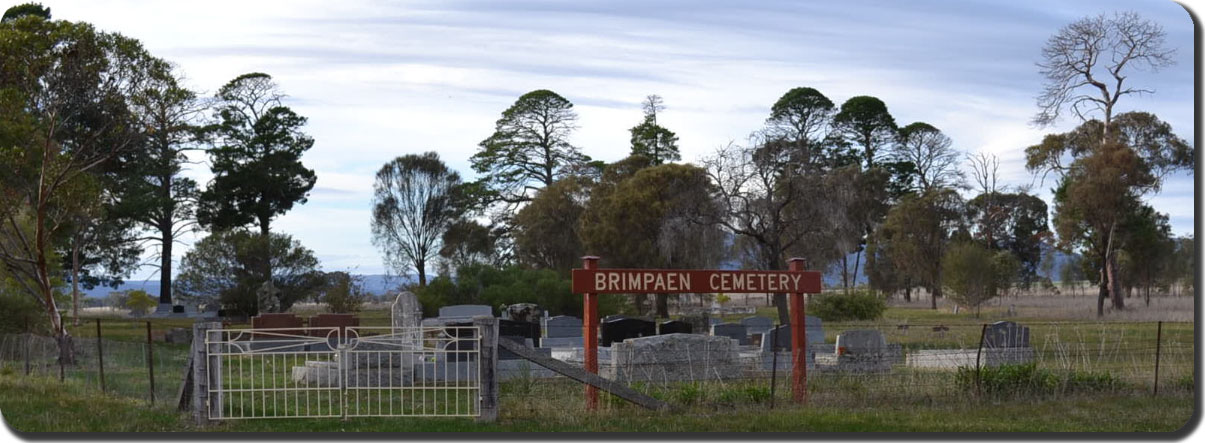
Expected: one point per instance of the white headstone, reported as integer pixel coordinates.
(407, 312)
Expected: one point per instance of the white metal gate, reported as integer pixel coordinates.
(344, 372)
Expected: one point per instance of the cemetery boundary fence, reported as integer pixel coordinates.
(920, 362)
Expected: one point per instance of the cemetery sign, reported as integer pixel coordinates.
(666, 281)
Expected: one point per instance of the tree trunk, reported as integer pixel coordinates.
(266, 233)
(934, 292)
(908, 294)
(845, 273)
(165, 264)
(662, 305)
(1103, 294)
(784, 315)
(66, 350)
(75, 282)
(1115, 283)
(421, 267)
(638, 300)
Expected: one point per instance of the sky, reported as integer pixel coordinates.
(382, 79)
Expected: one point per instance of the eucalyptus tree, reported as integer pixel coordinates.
(65, 93)
(413, 204)
(1100, 184)
(1086, 65)
(660, 217)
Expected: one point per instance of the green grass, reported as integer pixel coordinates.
(42, 404)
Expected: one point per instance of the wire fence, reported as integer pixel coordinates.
(148, 370)
(915, 362)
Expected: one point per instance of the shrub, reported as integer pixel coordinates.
(140, 303)
(343, 293)
(858, 305)
(1029, 379)
(492, 286)
(1184, 383)
(687, 394)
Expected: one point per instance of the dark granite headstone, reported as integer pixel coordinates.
(675, 327)
(618, 330)
(178, 309)
(699, 323)
(562, 326)
(735, 331)
(511, 328)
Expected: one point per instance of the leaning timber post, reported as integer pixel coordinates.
(100, 358)
(799, 358)
(203, 374)
(590, 334)
(487, 358)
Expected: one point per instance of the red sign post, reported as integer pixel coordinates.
(591, 281)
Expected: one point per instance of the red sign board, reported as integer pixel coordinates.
(668, 281)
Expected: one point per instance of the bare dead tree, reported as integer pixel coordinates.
(1086, 65)
(933, 154)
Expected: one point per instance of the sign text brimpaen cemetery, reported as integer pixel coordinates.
(619, 281)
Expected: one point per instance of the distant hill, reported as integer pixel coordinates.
(375, 284)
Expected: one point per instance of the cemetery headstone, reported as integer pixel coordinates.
(562, 331)
(735, 331)
(668, 357)
(406, 311)
(465, 311)
(675, 327)
(1006, 334)
(340, 321)
(524, 312)
(621, 329)
(757, 325)
(862, 350)
(521, 329)
(562, 326)
(699, 323)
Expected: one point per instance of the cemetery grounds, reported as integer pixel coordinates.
(1090, 376)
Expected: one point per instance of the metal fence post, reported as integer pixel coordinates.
(150, 362)
(487, 356)
(100, 358)
(978, 368)
(1158, 346)
(201, 375)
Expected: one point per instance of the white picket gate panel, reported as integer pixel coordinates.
(344, 372)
